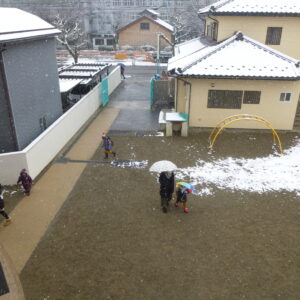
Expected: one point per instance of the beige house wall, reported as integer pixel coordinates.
(280, 114)
(256, 27)
(134, 36)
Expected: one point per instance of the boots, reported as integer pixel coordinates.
(105, 155)
(7, 221)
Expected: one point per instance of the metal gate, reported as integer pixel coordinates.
(161, 93)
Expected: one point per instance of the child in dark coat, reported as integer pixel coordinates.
(2, 211)
(181, 194)
(26, 181)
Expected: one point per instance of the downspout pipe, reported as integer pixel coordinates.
(189, 98)
(7, 99)
(203, 19)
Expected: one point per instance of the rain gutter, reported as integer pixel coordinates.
(189, 97)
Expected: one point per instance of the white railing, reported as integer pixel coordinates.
(37, 155)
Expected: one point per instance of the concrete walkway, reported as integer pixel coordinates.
(32, 216)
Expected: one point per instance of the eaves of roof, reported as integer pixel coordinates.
(185, 70)
(267, 14)
(28, 35)
(179, 75)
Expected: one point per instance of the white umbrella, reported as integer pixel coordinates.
(163, 166)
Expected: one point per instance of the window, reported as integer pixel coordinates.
(110, 42)
(141, 3)
(273, 35)
(99, 42)
(285, 97)
(212, 30)
(251, 97)
(144, 26)
(128, 2)
(224, 99)
(116, 2)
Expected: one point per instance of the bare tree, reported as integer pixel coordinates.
(187, 24)
(72, 35)
(182, 30)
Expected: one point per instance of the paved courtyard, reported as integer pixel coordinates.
(110, 240)
(104, 236)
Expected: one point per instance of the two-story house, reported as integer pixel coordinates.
(274, 23)
(252, 67)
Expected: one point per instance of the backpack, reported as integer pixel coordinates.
(110, 142)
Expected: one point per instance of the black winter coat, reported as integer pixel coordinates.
(166, 185)
(1, 203)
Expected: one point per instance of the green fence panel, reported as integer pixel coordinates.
(152, 91)
(104, 91)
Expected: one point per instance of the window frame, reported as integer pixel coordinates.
(249, 101)
(99, 44)
(211, 104)
(285, 94)
(212, 30)
(144, 23)
(271, 36)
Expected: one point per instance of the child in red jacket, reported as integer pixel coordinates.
(182, 197)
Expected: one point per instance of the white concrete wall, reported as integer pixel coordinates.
(114, 80)
(36, 156)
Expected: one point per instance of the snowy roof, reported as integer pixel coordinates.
(164, 24)
(86, 72)
(238, 57)
(253, 7)
(66, 85)
(152, 11)
(158, 21)
(17, 24)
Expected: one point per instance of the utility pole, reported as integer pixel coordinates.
(161, 36)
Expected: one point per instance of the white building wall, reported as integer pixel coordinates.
(36, 156)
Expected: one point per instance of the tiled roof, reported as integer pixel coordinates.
(253, 7)
(238, 57)
(17, 24)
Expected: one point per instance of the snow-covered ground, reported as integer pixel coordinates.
(260, 175)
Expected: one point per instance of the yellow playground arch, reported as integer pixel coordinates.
(235, 118)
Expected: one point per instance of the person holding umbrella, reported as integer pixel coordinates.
(165, 169)
(166, 180)
(122, 69)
